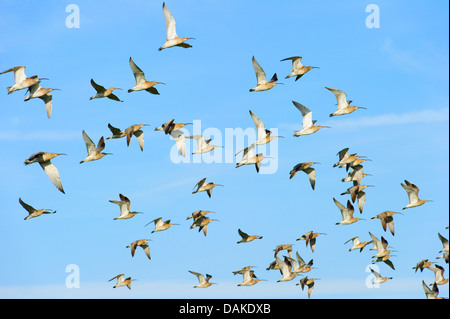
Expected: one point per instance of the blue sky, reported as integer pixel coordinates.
(398, 71)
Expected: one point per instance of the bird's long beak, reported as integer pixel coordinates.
(160, 83)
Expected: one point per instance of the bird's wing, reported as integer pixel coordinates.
(260, 129)
(247, 276)
(341, 207)
(242, 234)
(377, 242)
(200, 277)
(114, 130)
(200, 140)
(361, 201)
(114, 97)
(300, 260)
(412, 195)
(126, 202)
(146, 248)
(376, 274)
(444, 241)
(138, 73)
(341, 98)
(140, 137)
(32, 89)
(311, 172)
(19, 73)
(119, 278)
(98, 88)
(343, 153)
(428, 292)
(100, 145)
(260, 74)
(133, 248)
(200, 183)
(350, 210)
(167, 126)
(52, 173)
(296, 62)
(29, 209)
(48, 100)
(390, 224)
(170, 24)
(306, 114)
(249, 152)
(283, 266)
(180, 141)
(90, 146)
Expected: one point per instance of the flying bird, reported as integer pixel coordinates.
(170, 126)
(32, 212)
(160, 225)
(262, 84)
(413, 195)
(299, 265)
(21, 81)
(378, 278)
(250, 158)
(310, 238)
(347, 213)
(36, 91)
(431, 293)
(309, 282)
(43, 158)
(343, 105)
(172, 39)
(387, 219)
(245, 238)
(121, 281)
(422, 265)
(298, 69)
(309, 126)
(141, 82)
(129, 132)
(143, 243)
(438, 275)
(103, 92)
(356, 244)
(203, 145)
(135, 130)
(202, 281)
(286, 272)
(264, 135)
(94, 153)
(356, 193)
(124, 204)
(381, 246)
(249, 278)
(305, 167)
(202, 222)
(202, 186)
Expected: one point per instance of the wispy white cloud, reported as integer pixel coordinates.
(41, 135)
(430, 61)
(342, 288)
(424, 116)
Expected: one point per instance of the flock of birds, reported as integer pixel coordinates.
(288, 266)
